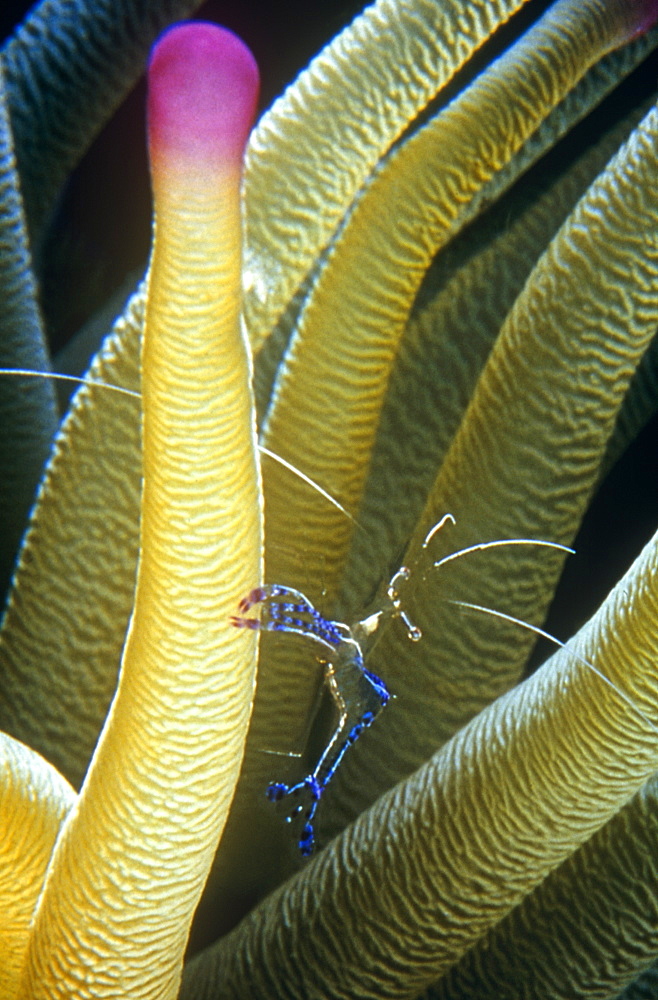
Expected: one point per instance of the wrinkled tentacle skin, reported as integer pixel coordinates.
(89, 495)
(621, 916)
(34, 801)
(469, 834)
(159, 787)
(346, 111)
(448, 339)
(544, 341)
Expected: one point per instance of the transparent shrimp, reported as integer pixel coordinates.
(358, 694)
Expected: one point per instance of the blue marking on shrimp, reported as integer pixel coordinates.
(358, 694)
(295, 614)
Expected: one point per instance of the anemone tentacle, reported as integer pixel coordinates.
(570, 757)
(174, 736)
(34, 802)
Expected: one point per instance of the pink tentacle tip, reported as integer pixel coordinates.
(203, 89)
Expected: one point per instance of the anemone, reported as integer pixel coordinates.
(451, 305)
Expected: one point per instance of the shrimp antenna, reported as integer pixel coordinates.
(496, 543)
(480, 546)
(79, 380)
(563, 645)
(307, 479)
(395, 609)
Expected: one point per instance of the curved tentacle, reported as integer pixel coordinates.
(34, 802)
(83, 537)
(559, 752)
(347, 111)
(446, 344)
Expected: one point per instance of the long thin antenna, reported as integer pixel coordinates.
(498, 542)
(69, 378)
(447, 518)
(563, 645)
(307, 479)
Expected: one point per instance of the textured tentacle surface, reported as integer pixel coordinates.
(445, 347)
(83, 537)
(515, 792)
(574, 955)
(345, 111)
(559, 448)
(34, 802)
(156, 797)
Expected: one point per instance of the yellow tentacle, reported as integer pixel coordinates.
(34, 802)
(161, 782)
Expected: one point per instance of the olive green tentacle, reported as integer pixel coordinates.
(558, 942)
(69, 66)
(523, 464)
(445, 346)
(28, 414)
(83, 537)
(345, 109)
(418, 878)
(587, 93)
